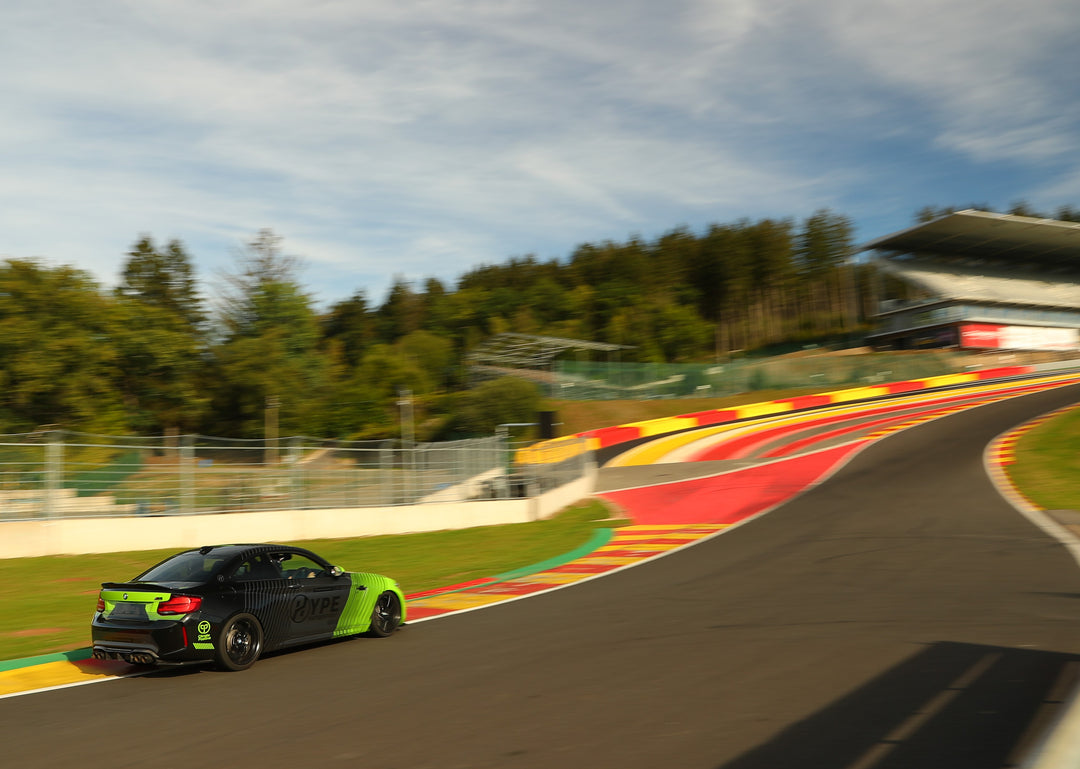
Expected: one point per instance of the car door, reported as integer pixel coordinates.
(317, 599)
(261, 589)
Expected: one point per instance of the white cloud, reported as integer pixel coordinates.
(427, 136)
(982, 67)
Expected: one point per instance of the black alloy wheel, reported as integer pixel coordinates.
(387, 615)
(239, 642)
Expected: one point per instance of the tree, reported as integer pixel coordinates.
(771, 251)
(432, 353)
(824, 243)
(58, 362)
(929, 213)
(269, 344)
(163, 279)
(158, 331)
(824, 250)
(1023, 208)
(1067, 214)
(389, 371)
(500, 401)
(547, 300)
(265, 294)
(673, 257)
(159, 367)
(434, 306)
(351, 324)
(680, 332)
(401, 313)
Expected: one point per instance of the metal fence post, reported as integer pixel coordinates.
(296, 474)
(386, 470)
(54, 471)
(187, 474)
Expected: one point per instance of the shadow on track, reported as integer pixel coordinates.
(952, 705)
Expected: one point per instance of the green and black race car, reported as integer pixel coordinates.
(231, 603)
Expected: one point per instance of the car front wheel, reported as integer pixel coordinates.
(239, 643)
(387, 615)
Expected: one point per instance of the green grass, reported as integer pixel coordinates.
(1047, 466)
(47, 602)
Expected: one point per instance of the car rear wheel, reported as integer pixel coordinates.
(239, 643)
(387, 615)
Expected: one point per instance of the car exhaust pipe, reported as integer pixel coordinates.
(135, 658)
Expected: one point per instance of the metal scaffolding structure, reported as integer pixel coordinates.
(529, 356)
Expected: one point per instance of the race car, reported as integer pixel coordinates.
(230, 604)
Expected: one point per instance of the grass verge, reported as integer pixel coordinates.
(47, 602)
(1048, 463)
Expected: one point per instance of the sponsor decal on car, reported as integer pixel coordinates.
(304, 608)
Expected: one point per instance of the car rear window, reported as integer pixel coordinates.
(185, 567)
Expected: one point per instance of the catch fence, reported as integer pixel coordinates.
(598, 380)
(63, 474)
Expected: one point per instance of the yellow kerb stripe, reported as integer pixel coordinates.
(610, 560)
(856, 393)
(57, 674)
(762, 409)
(553, 579)
(948, 379)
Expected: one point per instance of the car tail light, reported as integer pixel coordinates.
(100, 603)
(180, 604)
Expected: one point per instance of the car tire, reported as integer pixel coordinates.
(239, 643)
(386, 616)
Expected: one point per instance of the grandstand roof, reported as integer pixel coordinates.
(985, 285)
(988, 235)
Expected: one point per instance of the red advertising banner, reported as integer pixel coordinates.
(980, 335)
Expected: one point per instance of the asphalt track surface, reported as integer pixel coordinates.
(901, 614)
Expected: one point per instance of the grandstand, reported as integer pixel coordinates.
(980, 281)
(529, 357)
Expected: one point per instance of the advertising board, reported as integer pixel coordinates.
(988, 336)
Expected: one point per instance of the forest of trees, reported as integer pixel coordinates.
(154, 355)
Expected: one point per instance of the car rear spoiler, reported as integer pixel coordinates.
(145, 587)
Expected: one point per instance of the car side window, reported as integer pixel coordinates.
(301, 567)
(256, 568)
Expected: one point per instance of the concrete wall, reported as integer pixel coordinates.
(23, 539)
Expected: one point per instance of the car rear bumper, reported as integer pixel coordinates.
(160, 642)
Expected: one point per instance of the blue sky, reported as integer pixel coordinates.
(423, 138)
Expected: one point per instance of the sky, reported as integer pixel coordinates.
(385, 139)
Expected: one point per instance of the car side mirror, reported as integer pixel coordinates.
(336, 571)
